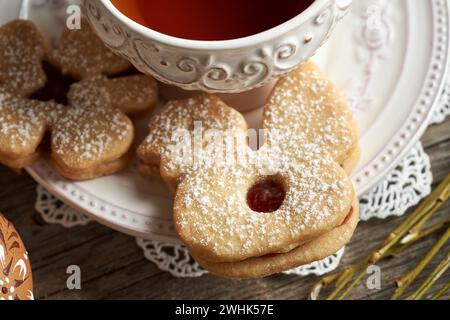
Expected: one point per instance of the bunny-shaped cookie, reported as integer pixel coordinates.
(310, 137)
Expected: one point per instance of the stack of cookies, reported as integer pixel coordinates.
(71, 103)
(248, 212)
(243, 209)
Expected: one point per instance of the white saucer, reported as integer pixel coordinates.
(390, 57)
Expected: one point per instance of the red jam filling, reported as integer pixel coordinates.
(347, 218)
(266, 196)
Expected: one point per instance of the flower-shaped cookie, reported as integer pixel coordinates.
(261, 212)
(16, 280)
(81, 108)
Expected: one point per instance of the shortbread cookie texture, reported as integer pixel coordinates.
(90, 138)
(213, 214)
(307, 104)
(90, 135)
(16, 280)
(315, 250)
(208, 112)
(23, 48)
(82, 55)
(23, 124)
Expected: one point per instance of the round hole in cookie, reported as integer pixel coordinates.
(266, 195)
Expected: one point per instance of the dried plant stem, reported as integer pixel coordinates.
(432, 278)
(404, 282)
(315, 291)
(416, 230)
(397, 249)
(441, 291)
(353, 284)
(346, 276)
(417, 237)
(422, 213)
(407, 233)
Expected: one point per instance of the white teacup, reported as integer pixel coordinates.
(228, 66)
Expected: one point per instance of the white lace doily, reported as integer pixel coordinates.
(403, 188)
(54, 211)
(176, 260)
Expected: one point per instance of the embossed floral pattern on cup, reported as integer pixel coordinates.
(217, 66)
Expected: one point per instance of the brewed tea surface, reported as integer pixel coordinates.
(211, 20)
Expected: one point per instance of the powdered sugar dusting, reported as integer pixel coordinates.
(22, 50)
(211, 209)
(92, 129)
(82, 54)
(306, 119)
(80, 141)
(23, 124)
(209, 111)
(321, 113)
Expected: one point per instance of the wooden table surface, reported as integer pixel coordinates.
(113, 266)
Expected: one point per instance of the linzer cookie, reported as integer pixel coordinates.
(16, 280)
(79, 96)
(314, 250)
(246, 213)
